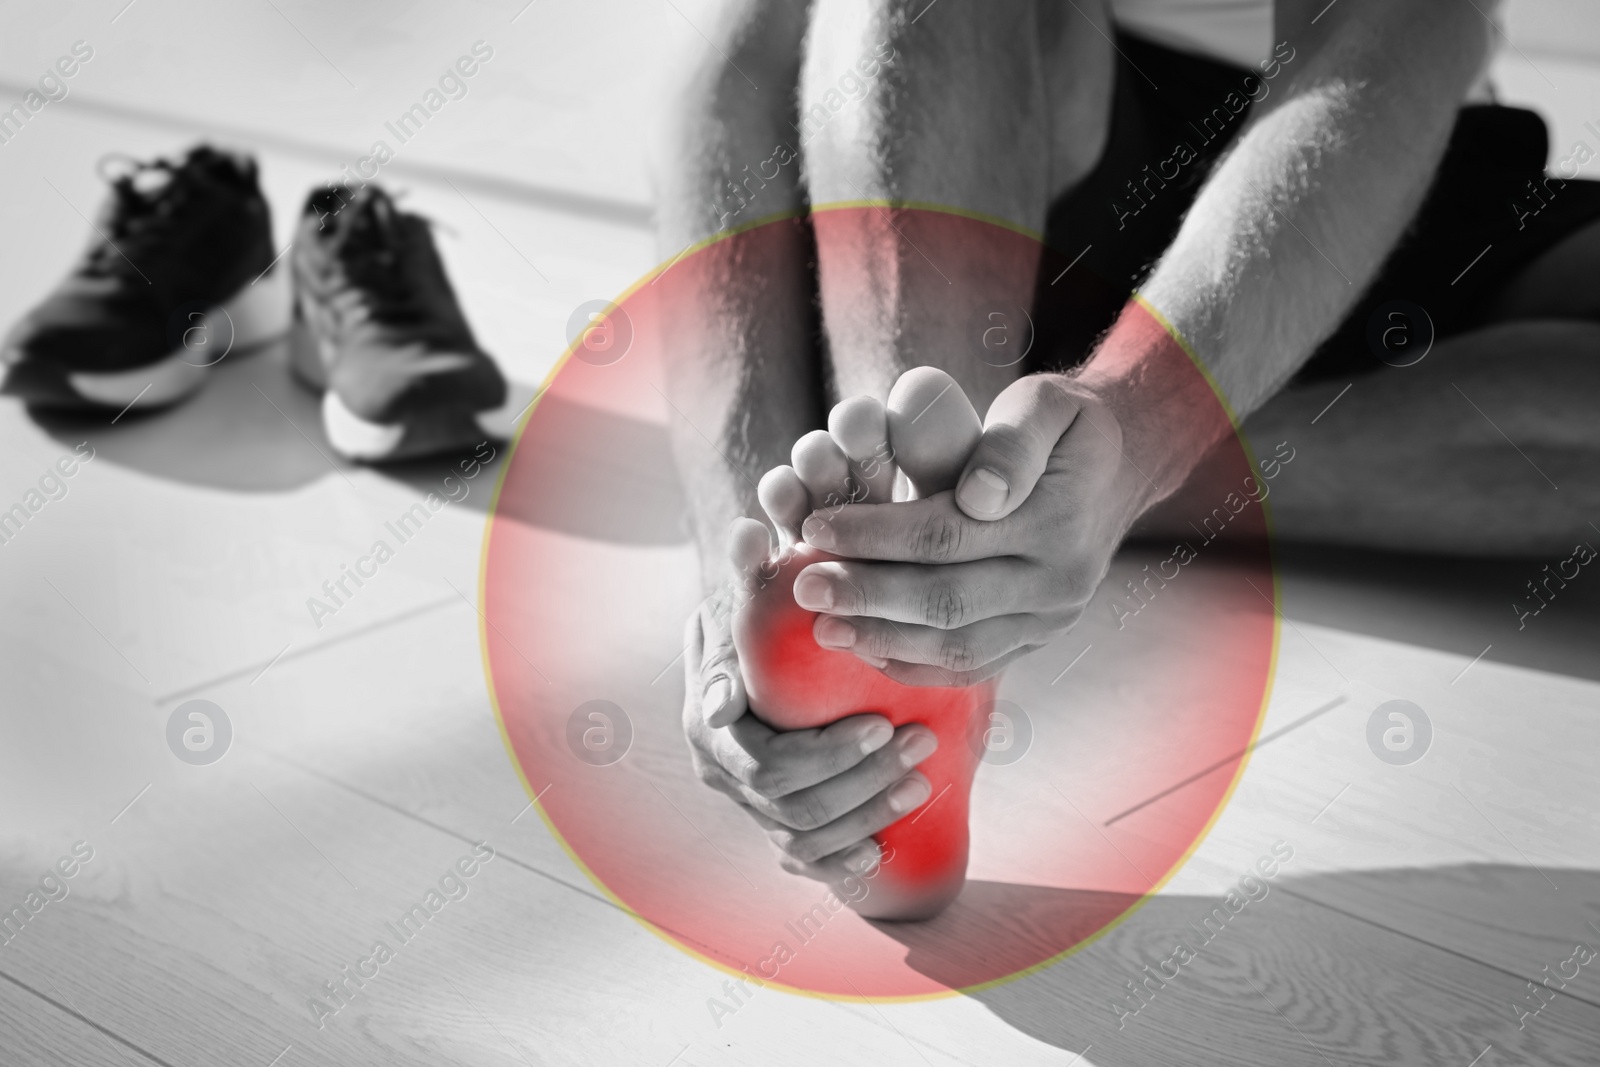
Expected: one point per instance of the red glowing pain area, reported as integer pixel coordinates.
(1115, 746)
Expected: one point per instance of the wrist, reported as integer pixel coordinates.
(1165, 404)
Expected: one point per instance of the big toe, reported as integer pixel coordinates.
(933, 428)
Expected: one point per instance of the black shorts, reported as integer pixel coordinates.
(1476, 229)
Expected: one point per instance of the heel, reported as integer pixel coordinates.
(259, 311)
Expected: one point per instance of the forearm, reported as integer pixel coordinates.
(742, 375)
(1297, 219)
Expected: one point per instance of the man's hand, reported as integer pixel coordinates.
(1020, 546)
(819, 794)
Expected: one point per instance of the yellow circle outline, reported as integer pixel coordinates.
(674, 940)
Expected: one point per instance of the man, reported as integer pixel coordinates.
(1352, 173)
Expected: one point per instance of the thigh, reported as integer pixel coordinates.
(1562, 283)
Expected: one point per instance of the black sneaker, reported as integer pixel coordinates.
(401, 374)
(163, 291)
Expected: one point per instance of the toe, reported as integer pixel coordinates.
(749, 544)
(932, 428)
(860, 428)
(823, 468)
(786, 501)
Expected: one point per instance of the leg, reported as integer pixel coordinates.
(988, 109)
(1557, 285)
(744, 375)
(1405, 462)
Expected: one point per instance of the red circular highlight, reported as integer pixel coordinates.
(588, 576)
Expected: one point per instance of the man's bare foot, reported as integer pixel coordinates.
(799, 675)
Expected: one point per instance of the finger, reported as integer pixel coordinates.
(1019, 435)
(861, 430)
(773, 764)
(844, 869)
(722, 696)
(837, 796)
(924, 676)
(961, 651)
(783, 495)
(912, 531)
(884, 809)
(945, 597)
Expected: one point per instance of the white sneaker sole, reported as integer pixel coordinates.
(258, 313)
(374, 442)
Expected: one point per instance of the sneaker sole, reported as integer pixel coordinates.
(259, 313)
(439, 432)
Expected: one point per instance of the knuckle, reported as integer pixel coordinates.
(939, 538)
(802, 811)
(767, 779)
(957, 652)
(945, 605)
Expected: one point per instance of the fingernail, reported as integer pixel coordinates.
(833, 632)
(814, 592)
(983, 492)
(718, 693)
(818, 532)
(908, 794)
(863, 858)
(918, 747)
(875, 737)
(871, 660)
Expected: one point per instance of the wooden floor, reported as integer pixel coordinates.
(366, 759)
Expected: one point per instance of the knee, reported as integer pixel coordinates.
(888, 76)
(739, 64)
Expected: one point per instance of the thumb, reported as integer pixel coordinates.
(722, 696)
(1019, 434)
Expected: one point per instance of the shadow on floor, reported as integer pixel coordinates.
(254, 429)
(1295, 977)
(1462, 606)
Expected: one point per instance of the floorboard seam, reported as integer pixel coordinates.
(631, 214)
(282, 657)
(82, 1018)
(514, 861)
(1430, 944)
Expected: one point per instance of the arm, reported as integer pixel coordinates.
(1298, 217)
(1289, 228)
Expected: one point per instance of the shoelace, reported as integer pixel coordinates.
(141, 217)
(373, 247)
